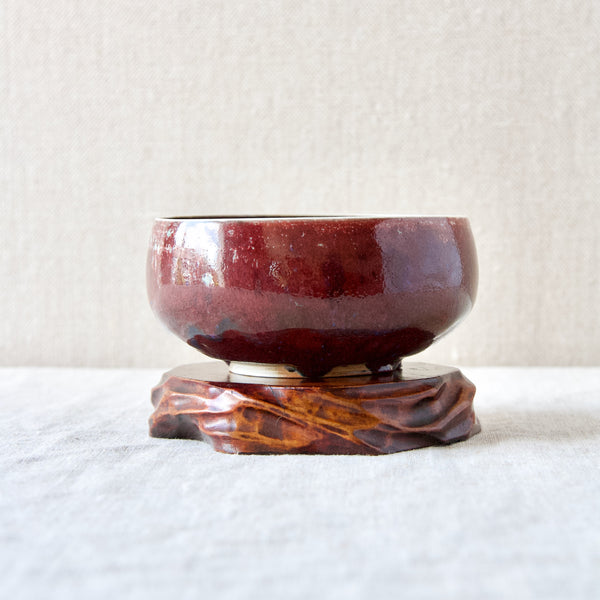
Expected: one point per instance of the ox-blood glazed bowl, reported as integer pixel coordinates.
(311, 296)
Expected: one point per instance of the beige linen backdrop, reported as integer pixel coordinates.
(114, 112)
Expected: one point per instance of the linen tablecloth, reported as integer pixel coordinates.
(92, 507)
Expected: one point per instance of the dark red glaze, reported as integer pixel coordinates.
(315, 293)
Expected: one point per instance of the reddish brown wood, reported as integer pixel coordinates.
(421, 405)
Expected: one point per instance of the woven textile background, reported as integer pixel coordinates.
(112, 113)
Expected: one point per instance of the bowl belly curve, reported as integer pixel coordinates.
(313, 293)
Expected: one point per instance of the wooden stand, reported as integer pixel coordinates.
(417, 406)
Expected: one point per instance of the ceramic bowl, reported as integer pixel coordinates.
(311, 296)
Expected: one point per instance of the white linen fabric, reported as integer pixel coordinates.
(92, 507)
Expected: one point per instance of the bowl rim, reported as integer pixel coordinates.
(350, 217)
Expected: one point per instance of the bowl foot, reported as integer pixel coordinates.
(420, 405)
(290, 372)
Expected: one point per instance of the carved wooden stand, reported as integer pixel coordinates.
(417, 406)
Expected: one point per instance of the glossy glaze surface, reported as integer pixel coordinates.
(315, 293)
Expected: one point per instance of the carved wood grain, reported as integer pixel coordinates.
(376, 415)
